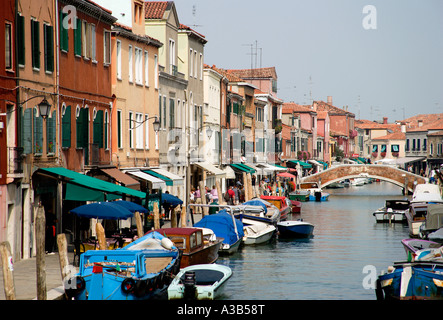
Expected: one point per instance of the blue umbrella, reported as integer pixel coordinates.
(131, 206)
(171, 200)
(102, 210)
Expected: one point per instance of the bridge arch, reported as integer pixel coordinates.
(399, 177)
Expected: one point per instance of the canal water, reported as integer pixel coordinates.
(341, 262)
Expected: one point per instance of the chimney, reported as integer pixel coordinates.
(403, 127)
(385, 120)
(330, 100)
(420, 123)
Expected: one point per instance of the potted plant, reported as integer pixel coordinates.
(383, 154)
(374, 154)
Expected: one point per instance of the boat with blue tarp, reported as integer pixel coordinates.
(141, 270)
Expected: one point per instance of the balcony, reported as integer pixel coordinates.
(15, 162)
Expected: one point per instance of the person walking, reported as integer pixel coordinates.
(198, 200)
(214, 194)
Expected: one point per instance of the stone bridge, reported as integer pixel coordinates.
(401, 178)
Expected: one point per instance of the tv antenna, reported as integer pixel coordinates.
(194, 10)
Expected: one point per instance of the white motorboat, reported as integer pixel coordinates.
(257, 232)
(199, 282)
(393, 211)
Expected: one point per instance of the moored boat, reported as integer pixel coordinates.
(296, 206)
(258, 209)
(314, 191)
(295, 229)
(411, 281)
(139, 271)
(195, 249)
(256, 232)
(433, 222)
(299, 195)
(392, 211)
(282, 204)
(199, 282)
(224, 226)
(412, 246)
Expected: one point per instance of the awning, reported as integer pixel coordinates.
(156, 182)
(242, 167)
(325, 165)
(405, 160)
(230, 174)
(304, 165)
(124, 179)
(171, 179)
(272, 167)
(80, 186)
(213, 170)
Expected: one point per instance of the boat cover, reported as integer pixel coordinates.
(222, 225)
(256, 202)
(434, 218)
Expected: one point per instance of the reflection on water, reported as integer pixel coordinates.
(330, 265)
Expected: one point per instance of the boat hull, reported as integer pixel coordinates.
(323, 196)
(412, 281)
(210, 281)
(383, 216)
(295, 229)
(254, 237)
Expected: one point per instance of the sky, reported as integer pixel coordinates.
(385, 60)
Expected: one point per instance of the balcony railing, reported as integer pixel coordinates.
(15, 163)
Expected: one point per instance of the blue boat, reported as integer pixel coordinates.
(419, 280)
(141, 270)
(295, 229)
(224, 226)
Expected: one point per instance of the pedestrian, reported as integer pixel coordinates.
(214, 193)
(198, 200)
(213, 210)
(236, 194)
(231, 194)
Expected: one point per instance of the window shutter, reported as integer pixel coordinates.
(81, 128)
(78, 38)
(66, 128)
(35, 41)
(38, 132)
(27, 131)
(21, 39)
(98, 129)
(49, 48)
(64, 45)
(50, 133)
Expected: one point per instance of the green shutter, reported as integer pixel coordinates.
(106, 131)
(50, 133)
(119, 129)
(82, 129)
(21, 39)
(98, 129)
(38, 133)
(49, 48)
(27, 131)
(78, 38)
(66, 128)
(35, 42)
(171, 114)
(64, 43)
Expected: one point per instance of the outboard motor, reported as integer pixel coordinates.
(317, 196)
(190, 292)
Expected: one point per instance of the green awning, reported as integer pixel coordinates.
(242, 167)
(168, 181)
(304, 165)
(325, 165)
(81, 187)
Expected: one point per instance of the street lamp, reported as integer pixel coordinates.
(156, 124)
(44, 108)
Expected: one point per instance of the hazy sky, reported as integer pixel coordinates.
(320, 48)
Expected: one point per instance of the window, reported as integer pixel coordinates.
(201, 66)
(139, 131)
(66, 127)
(259, 114)
(191, 62)
(50, 133)
(86, 40)
(78, 38)
(407, 145)
(425, 142)
(131, 132)
(195, 64)
(119, 129)
(35, 43)
(418, 144)
(156, 71)
(172, 66)
(119, 60)
(37, 132)
(20, 28)
(107, 47)
(106, 130)
(383, 148)
(413, 144)
(164, 112)
(146, 131)
(82, 127)
(8, 46)
(64, 39)
(49, 47)
(375, 148)
(130, 63)
(146, 69)
(138, 66)
(93, 47)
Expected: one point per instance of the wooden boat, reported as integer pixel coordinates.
(224, 226)
(392, 211)
(295, 229)
(256, 232)
(299, 195)
(282, 203)
(315, 192)
(411, 281)
(139, 271)
(412, 246)
(195, 249)
(199, 282)
(296, 206)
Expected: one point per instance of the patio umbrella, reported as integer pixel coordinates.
(171, 200)
(131, 206)
(102, 210)
(286, 175)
